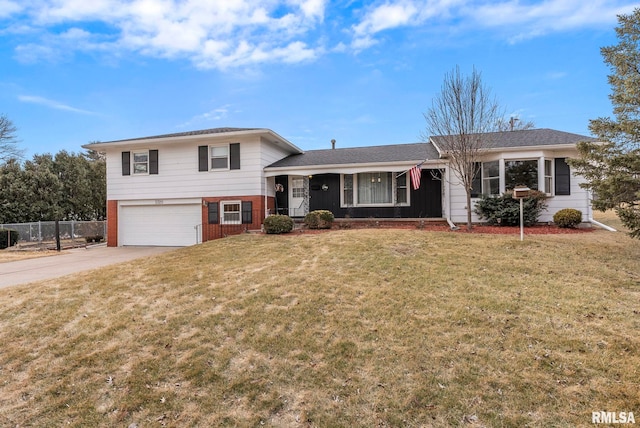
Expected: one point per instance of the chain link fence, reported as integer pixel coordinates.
(72, 233)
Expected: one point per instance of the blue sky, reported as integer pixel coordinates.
(360, 72)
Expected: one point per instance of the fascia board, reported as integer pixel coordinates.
(352, 168)
(139, 142)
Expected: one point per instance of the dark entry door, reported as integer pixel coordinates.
(427, 200)
(324, 192)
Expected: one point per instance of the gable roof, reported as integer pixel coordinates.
(525, 138)
(188, 133)
(214, 132)
(416, 152)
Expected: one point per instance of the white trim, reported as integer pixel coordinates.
(232, 202)
(210, 157)
(132, 161)
(275, 139)
(172, 201)
(394, 188)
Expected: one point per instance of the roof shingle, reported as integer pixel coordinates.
(415, 152)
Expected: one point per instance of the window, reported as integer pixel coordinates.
(491, 178)
(547, 176)
(401, 189)
(297, 187)
(230, 212)
(220, 157)
(223, 157)
(375, 188)
(141, 162)
(563, 177)
(521, 173)
(347, 190)
(476, 183)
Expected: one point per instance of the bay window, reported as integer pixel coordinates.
(550, 176)
(521, 173)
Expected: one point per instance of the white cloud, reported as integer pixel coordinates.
(522, 21)
(52, 104)
(224, 34)
(8, 8)
(211, 33)
(214, 115)
(514, 19)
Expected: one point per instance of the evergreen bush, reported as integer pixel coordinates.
(504, 210)
(7, 235)
(319, 219)
(567, 218)
(278, 223)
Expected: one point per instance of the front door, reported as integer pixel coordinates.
(298, 199)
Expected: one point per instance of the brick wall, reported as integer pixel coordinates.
(112, 223)
(216, 231)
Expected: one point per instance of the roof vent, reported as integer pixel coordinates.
(333, 144)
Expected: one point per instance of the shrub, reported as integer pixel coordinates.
(278, 223)
(567, 217)
(504, 210)
(8, 238)
(319, 219)
(93, 238)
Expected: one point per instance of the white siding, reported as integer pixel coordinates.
(178, 175)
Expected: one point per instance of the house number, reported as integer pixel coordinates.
(159, 201)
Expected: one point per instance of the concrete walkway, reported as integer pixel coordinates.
(70, 262)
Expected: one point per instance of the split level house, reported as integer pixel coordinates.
(185, 188)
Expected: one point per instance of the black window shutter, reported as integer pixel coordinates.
(234, 156)
(563, 177)
(153, 161)
(126, 163)
(203, 158)
(476, 184)
(213, 213)
(247, 217)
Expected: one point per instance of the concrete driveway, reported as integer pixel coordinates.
(71, 261)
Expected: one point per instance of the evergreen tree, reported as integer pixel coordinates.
(14, 194)
(612, 168)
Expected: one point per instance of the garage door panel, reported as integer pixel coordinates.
(161, 225)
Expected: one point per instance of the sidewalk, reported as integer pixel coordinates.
(71, 261)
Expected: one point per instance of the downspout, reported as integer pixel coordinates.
(452, 225)
(595, 222)
(266, 201)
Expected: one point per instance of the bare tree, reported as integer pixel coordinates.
(459, 119)
(8, 141)
(515, 124)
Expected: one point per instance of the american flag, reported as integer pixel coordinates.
(415, 173)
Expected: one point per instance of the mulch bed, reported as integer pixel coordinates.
(541, 229)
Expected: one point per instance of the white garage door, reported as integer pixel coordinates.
(159, 225)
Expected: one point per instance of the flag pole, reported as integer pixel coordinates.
(403, 173)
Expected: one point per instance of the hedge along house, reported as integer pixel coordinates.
(374, 181)
(185, 188)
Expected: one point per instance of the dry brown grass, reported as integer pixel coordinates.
(346, 328)
(11, 255)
